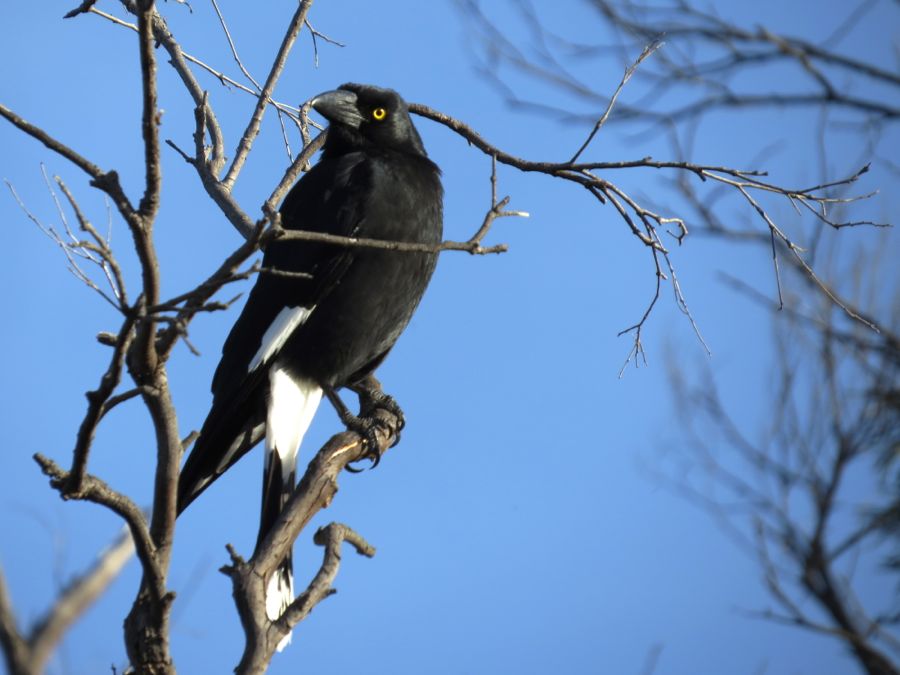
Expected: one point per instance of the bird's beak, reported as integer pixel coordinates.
(338, 106)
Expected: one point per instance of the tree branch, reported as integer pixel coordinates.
(77, 596)
(314, 493)
(28, 654)
(108, 181)
(97, 400)
(150, 117)
(250, 133)
(95, 490)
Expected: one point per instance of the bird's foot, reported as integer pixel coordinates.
(369, 429)
(379, 415)
(371, 402)
(372, 399)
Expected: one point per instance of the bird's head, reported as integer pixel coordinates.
(361, 115)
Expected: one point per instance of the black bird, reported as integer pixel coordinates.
(332, 325)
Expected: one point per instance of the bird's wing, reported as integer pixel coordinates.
(230, 430)
(327, 199)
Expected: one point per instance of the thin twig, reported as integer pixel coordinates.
(109, 264)
(106, 181)
(647, 51)
(233, 48)
(291, 111)
(250, 133)
(316, 34)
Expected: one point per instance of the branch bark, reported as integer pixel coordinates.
(252, 130)
(27, 654)
(314, 493)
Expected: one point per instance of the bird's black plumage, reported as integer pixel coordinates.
(297, 335)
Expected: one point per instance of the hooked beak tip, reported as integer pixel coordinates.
(338, 106)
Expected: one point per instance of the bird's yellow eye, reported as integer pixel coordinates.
(379, 114)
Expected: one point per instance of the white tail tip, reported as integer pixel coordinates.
(279, 595)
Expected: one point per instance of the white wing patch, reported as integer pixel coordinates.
(277, 333)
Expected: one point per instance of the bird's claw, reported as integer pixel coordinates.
(378, 400)
(375, 406)
(368, 429)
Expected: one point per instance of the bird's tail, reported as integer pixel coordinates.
(292, 404)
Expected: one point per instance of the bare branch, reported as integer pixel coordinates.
(56, 146)
(317, 34)
(292, 173)
(331, 537)
(106, 181)
(15, 645)
(28, 654)
(252, 129)
(706, 51)
(97, 400)
(150, 116)
(85, 7)
(314, 492)
(163, 35)
(108, 263)
(192, 301)
(797, 253)
(648, 50)
(95, 490)
(178, 63)
(809, 458)
(470, 246)
(72, 249)
(233, 48)
(77, 596)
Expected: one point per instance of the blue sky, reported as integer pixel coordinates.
(518, 525)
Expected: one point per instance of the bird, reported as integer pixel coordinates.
(321, 316)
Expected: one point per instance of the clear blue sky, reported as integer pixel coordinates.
(517, 526)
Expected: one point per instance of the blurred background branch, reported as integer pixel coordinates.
(814, 497)
(27, 653)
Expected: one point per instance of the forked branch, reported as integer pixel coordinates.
(28, 653)
(314, 493)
